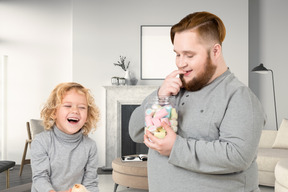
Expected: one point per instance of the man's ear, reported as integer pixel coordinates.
(217, 50)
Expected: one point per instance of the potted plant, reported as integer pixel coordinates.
(125, 66)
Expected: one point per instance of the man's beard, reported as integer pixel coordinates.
(200, 81)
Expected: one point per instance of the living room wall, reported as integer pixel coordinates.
(268, 45)
(36, 38)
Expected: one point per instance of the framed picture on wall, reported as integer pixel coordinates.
(157, 55)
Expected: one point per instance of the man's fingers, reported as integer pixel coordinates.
(176, 72)
(150, 137)
(175, 87)
(166, 127)
(151, 141)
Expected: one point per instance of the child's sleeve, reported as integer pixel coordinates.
(40, 166)
(90, 179)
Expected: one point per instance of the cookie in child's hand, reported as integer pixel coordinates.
(79, 188)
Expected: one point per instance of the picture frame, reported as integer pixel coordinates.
(157, 55)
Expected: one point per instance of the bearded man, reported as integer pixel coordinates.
(219, 118)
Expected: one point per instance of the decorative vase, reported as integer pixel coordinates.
(127, 77)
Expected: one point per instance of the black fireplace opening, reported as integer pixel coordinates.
(128, 146)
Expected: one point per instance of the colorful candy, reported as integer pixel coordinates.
(161, 113)
(157, 114)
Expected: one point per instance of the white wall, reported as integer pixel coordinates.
(36, 36)
(268, 45)
(53, 41)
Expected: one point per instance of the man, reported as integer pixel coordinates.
(220, 119)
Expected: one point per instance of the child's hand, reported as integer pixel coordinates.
(63, 191)
(79, 188)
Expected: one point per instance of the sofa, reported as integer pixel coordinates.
(273, 147)
(281, 174)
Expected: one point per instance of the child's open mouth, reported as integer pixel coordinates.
(73, 120)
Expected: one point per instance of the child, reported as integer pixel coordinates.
(63, 154)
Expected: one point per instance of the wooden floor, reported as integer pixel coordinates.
(15, 179)
(26, 176)
(105, 180)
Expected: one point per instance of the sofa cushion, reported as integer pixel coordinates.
(268, 158)
(267, 138)
(281, 173)
(282, 135)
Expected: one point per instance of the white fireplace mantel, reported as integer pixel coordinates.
(115, 97)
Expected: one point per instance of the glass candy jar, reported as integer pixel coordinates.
(158, 110)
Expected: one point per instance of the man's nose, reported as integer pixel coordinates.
(182, 63)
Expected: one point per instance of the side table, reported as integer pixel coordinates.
(131, 174)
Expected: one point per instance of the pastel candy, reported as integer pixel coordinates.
(145, 129)
(156, 122)
(160, 133)
(174, 114)
(174, 122)
(148, 120)
(175, 128)
(166, 120)
(149, 112)
(161, 113)
(157, 114)
(168, 109)
(152, 128)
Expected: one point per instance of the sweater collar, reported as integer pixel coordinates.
(66, 137)
(222, 76)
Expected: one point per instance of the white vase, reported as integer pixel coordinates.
(127, 77)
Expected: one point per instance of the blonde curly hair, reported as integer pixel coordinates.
(55, 99)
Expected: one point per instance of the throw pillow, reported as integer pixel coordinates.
(282, 135)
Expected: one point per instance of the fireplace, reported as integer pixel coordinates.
(118, 100)
(128, 146)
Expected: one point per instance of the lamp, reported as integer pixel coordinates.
(263, 70)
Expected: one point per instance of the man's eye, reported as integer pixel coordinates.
(189, 56)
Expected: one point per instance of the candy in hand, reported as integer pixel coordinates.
(79, 188)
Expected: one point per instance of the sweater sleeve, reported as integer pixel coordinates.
(40, 165)
(137, 120)
(236, 147)
(90, 178)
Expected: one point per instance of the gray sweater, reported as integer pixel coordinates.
(59, 161)
(218, 134)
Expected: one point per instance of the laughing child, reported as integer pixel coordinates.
(63, 154)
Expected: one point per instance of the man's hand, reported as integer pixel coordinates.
(163, 146)
(171, 84)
